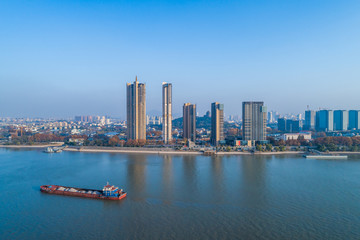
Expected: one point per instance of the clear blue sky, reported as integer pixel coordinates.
(66, 58)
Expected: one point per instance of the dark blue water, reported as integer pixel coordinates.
(180, 197)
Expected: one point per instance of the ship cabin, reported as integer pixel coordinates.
(111, 191)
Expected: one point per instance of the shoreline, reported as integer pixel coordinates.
(155, 151)
(142, 150)
(32, 146)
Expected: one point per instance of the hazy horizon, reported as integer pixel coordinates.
(61, 59)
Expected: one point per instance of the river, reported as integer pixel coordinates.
(180, 197)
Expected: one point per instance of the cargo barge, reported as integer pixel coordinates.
(108, 192)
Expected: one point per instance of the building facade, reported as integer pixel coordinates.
(309, 120)
(341, 120)
(293, 125)
(189, 121)
(295, 136)
(354, 116)
(217, 123)
(136, 110)
(254, 121)
(325, 120)
(289, 125)
(282, 124)
(167, 112)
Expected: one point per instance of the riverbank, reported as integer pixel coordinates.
(141, 150)
(33, 146)
(259, 153)
(137, 150)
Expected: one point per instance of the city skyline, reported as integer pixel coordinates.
(187, 119)
(73, 59)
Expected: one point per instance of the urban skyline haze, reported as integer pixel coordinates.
(61, 59)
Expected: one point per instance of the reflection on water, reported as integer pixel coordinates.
(189, 173)
(217, 176)
(167, 178)
(254, 181)
(136, 175)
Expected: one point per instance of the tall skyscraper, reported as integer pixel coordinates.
(217, 123)
(167, 112)
(354, 117)
(325, 120)
(136, 110)
(309, 120)
(341, 120)
(189, 121)
(254, 121)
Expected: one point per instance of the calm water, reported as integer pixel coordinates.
(180, 197)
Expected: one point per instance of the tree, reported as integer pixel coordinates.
(321, 148)
(114, 141)
(268, 147)
(258, 147)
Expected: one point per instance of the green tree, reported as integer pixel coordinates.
(269, 147)
(321, 148)
(259, 147)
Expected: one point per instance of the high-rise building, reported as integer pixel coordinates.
(293, 125)
(136, 110)
(289, 125)
(309, 120)
(341, 120)
(189, 121)
(270, 117)
(217, 123)
(167, 112)
(282, 124)
(325, 120)
(254, 121)
(354, 117)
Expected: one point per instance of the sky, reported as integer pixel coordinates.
(66, 58)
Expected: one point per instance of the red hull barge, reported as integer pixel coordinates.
(108, 192)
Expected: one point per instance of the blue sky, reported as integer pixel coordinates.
(66, 58)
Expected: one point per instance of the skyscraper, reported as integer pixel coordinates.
(354, 117)
(341, 120)
(167, 112)
(325, 120)
(309, 120)
(254, 121)
(217, 123)
(136, 110)
(189, 121)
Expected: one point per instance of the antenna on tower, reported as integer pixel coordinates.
(308, 107)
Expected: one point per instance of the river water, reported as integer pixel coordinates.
(180, 197)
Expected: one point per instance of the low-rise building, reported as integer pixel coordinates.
(295, 136)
